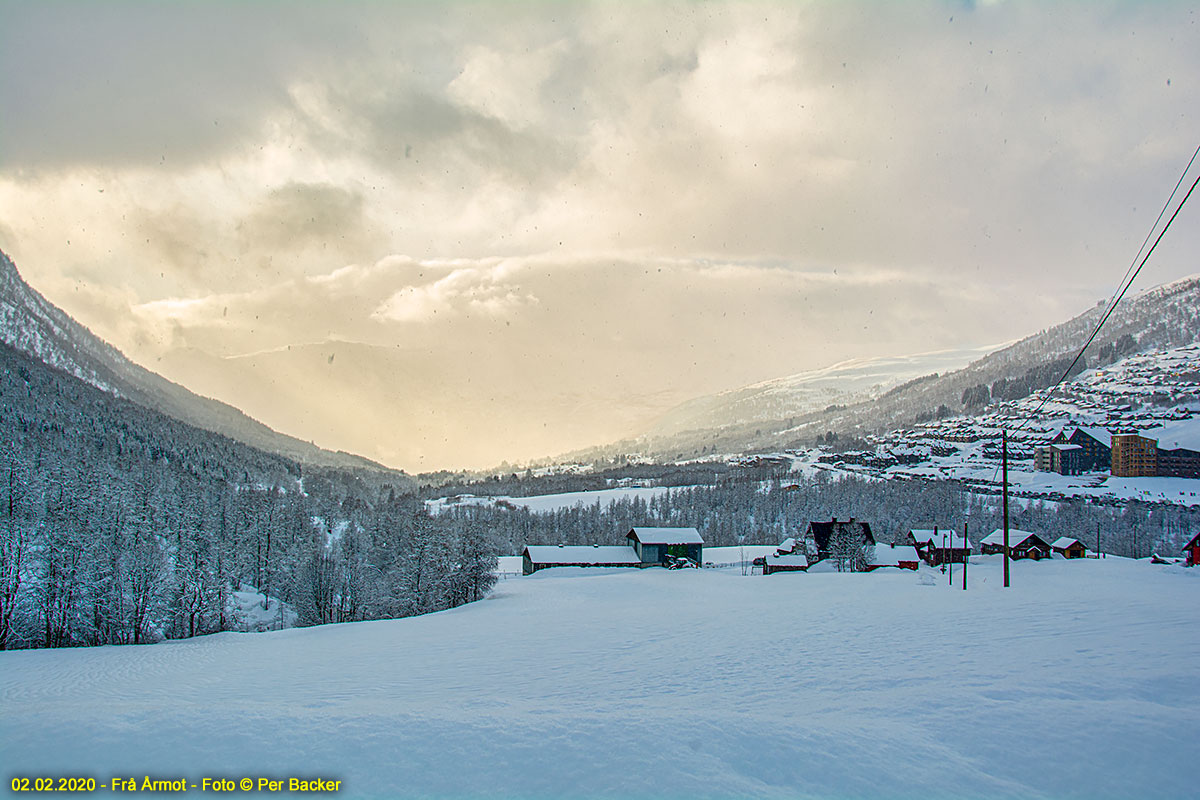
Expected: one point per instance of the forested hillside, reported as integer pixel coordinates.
(119, 524)
(36, 327)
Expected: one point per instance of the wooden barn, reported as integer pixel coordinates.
(1192, 551)
(659, 546)
(901, 556)
(1021, 544)
(784, 562)
(542, 556)
(1067, 547)
(938, 547)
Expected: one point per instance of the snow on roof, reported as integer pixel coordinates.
(788, 544)
(1067, 446)
(1015, 537)
(953, 540)
(1063, 542)
(667, 535)
(1177, 435)
(576, 554)
(1099, 434)
(788, 560)
(891, 556)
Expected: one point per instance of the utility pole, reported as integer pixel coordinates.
(1098, 555)
(933, 543)
(966, 549)
(1004, 463)
(950, 580)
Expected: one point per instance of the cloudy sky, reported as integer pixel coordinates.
(450, 234)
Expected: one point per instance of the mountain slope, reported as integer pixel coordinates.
(33, 325)
(806, 392)
(1159, 318)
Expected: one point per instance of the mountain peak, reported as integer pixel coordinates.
(10, 279)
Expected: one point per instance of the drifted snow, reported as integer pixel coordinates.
(563, 685)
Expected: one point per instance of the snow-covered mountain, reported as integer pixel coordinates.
(31, 324)
(769, 416)
(1155, 393)
(847, 382)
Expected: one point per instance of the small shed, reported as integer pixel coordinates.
(902, 556)
(1192, 551)
(1021, 544)
(939, 546)
(786, 547)
(1067, 547)
(784, 563)
(656, 546)
(542, 556)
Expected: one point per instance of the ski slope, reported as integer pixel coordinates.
(1079, 681)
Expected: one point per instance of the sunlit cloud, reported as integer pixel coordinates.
(570, 221)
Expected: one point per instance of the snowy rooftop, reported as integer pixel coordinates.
(892, 555)
(1063, 542)
(576, 554)
(788, 560)
(1185, 435)
(1067, 447)
(1015, 537)
(953, 540)
(1099, 434)
(787, 545)
(668, 535)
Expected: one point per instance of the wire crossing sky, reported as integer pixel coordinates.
(451, 234)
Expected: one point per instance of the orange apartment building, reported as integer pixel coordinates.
(1134, 456)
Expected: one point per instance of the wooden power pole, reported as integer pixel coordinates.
(966, 549)
(1004, 463)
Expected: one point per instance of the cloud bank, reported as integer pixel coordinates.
(519, 229)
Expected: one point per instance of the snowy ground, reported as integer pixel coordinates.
(1079, 681)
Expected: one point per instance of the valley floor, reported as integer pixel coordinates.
(1079, 681)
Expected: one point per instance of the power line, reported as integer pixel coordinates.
(1123, 286)
(1113, 305)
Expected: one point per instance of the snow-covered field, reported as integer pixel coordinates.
(1079, 681)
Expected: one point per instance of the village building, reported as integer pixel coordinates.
(939, 546)
(1134, 456)
(1067, 547)
(1192, 551)
(1095, 447)
(541, 556)
(784, 562)
(1175, 460)
(1021, 544)
(1065, 459)
(786, 547)
(664, 546)
(819, 535)
(901, 556)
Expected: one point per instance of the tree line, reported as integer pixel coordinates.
(119, 525)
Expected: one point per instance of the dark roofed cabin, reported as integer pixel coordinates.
(657, 547)
(1021, 544)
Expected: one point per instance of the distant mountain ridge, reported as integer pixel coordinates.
(795, 395)
(33, 325)
(1159, 318)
